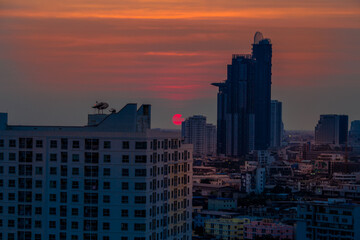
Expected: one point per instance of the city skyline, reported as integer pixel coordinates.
(60, 58)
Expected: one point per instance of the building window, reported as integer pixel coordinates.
(75, 185)
(38, 210)
(107, 158)
(38, 183)
(125, 186)
(11, 210)
(38, 197)
(12, 156)
(126, 145)
(74, 225)
(106, 226)
(140, 199)
(74, 211)
(39, 143)
(125, 172)
(106, 199)
(91, 144)
(91, 157)
(140, 145)
(140, 213)
(53, 157)
(106, 171)
(76, 144)
(106, 185)
(1, 156)
(11, 196)
(125, 158)
(52, 224)
(75, 157)
(53, 171)
(12, 170)
(39, 157)
(53, 144)
(52, 211)
(124, 226)
(38, 170)
(64, 144)
(106, 212)
(75, 198)
(12, 143)
(140, 186)
(11, 183)
(52, 197)
(91, 184)
(11, 223)
(140, 159)
(1, 142)
(140, 172)
(107, 144)
(75, 171)
(124, 213)
(140, 227)
(124, 199)
(64, 157)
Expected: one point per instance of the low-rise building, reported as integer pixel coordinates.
(267, 227)
(226, 228)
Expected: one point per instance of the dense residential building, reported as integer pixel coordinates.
(226, 228)
(222, 204)
(112, 179)
(276, 128)
(266, 227)
(244, 102)
(332, 129)
(253, 180)
(196, 131)
(332, 219)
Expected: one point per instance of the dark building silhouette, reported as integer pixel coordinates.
(244, 102)
(276, 129)
(332, 129)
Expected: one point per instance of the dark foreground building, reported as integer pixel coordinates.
(244, 102)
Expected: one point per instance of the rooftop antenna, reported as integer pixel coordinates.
(100, 106)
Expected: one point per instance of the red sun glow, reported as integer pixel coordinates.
(177, 119)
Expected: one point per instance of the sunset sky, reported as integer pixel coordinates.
(59, 57)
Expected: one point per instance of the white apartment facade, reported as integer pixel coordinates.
(113, 179)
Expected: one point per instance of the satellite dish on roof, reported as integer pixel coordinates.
(100, 106)
(258, 37)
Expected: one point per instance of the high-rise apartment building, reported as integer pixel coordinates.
(276, 125)
(114, 179)
(332, 129)
(210, 139)
(354, 136)
(332, 219)
(202, 135)
(244, 107)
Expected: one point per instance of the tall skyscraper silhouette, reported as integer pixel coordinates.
(244, 102)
